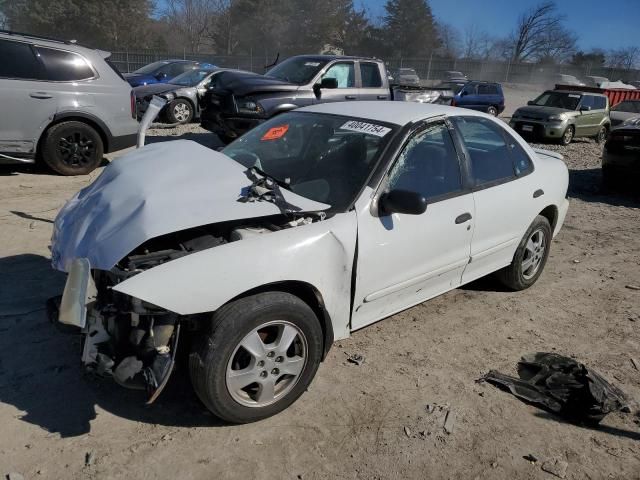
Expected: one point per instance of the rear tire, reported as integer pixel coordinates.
(530, 257)
(72, 148)
(492, 111)
(601, 137)
(274, 339)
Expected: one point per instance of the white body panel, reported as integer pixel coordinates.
(320, 254)
(406, 259)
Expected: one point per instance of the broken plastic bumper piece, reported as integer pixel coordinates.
(79, 291)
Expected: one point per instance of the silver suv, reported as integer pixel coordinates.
(61, 103)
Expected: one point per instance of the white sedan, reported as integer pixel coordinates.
(314, 224)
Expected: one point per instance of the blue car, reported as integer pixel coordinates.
(162, 71)
(484, 96)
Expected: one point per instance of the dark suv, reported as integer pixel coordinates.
(483, 96)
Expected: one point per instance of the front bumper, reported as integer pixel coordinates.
(538, 128)
(232, 126)
(137, 349)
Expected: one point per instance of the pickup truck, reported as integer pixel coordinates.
(238, 101)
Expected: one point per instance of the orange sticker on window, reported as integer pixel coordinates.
(275, 133)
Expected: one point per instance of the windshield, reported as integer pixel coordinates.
(627, 106)
(298, 70)
(152, 67)
(567, 101)
(191, 78)
(326, 158)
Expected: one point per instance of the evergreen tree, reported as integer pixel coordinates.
(410, 28)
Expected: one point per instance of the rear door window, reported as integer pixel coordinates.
(62, 66)
(599, 103)
(487, 89)
(17, 60)
(489, 156)
(370, 74)
(587, 101)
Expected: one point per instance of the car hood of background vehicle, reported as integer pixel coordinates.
(155, 89)
(244, 83)
(541, 112)
(136, 79)
(159, 189)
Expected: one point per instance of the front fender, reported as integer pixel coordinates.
(320, 254)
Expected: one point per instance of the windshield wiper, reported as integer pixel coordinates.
(265, 187)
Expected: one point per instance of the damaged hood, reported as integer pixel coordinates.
(153, 191)
(244, 83)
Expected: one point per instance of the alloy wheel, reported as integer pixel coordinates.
(266, 364)
(533, 254)
(181, 112)
(76, 149)
(567, 136)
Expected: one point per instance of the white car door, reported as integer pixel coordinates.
(506, 193)
(406, 259)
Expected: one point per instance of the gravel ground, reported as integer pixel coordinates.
(368, 421)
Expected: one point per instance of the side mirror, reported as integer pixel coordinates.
(585, 108)
(531, 102)
(329, 83)
(402, 201)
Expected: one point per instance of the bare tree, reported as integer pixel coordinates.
(539, 32)
(626, 58)
(194, 19)
(450, 44)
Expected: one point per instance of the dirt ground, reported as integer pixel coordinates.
(365, 421)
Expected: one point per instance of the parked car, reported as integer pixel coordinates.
(562, 79)
(453, 75)
(183, 94)
(241, 101)
(594, 81)
(406, 76)
(483, 96)
(621, 155)
(310, 226)
(62, 103)
(563, 115)
(162, 71)
(623, 111)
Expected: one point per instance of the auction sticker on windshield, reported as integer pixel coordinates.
(275, 133)
(363, 127)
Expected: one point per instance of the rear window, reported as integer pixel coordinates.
(64, 66)
(17, 60)
(487, 89)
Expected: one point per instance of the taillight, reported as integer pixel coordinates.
(133, 104)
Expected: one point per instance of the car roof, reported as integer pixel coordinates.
(399, 113)
(577, 91)
(50, 42)
(334, 57)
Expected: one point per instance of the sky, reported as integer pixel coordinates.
(605, 24)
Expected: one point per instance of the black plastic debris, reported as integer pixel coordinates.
(562, 385)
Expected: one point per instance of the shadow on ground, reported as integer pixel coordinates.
(40, 371)
(587, 186)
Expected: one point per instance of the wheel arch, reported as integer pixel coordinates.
(310, 295)
(550, 212)
(94, 122)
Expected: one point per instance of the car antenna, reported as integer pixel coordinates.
(275, 62)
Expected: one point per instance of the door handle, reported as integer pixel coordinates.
(350, 97)
(42, 95)
(382, 97)
(465, 217)
(538, 193)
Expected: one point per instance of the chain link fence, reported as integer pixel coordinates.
(430, 69)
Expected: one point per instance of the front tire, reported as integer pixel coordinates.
(259, 355)
(72, 148)
(180, 111)
(567, 136)
(493, 111)
(530, 257)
